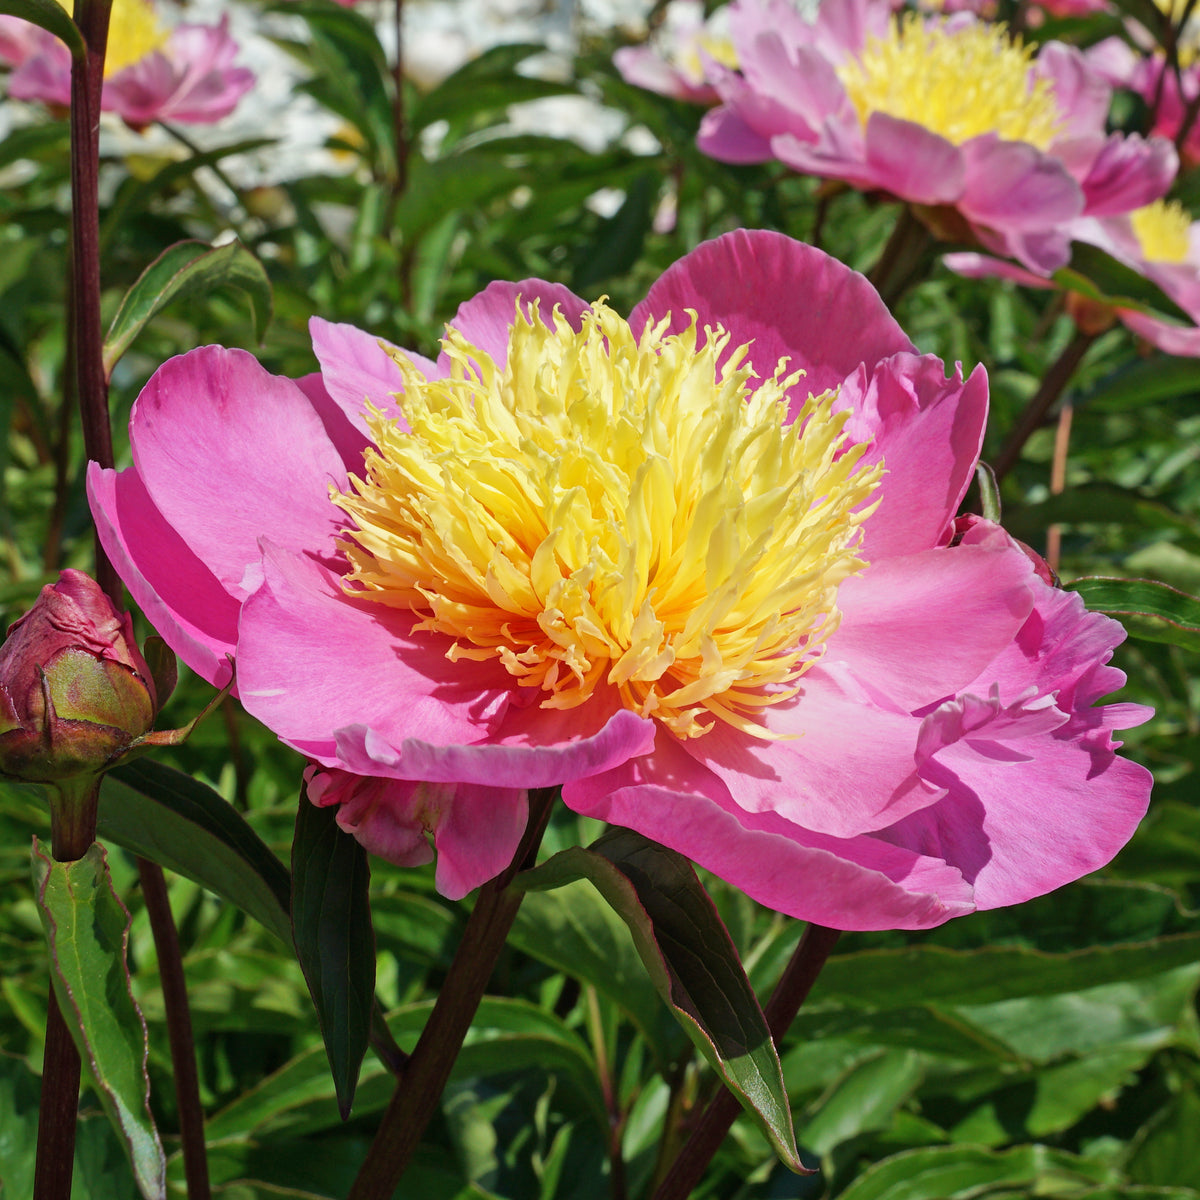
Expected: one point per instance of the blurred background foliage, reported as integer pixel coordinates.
(1049, 1050)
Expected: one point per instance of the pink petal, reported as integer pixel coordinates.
(1014, 186)
(476, 830)
(1129, 171)
(981, 266)
(920, 628)
(858, 883)
(842, 765)
(912, 162)
(311, 661)
(747, 281)
(179, 595)
(487, 318)
(1019, 829)
(356, 368)
(533, 748)
(928, 430)
(1081, 93)
(227, 452)
(347, 440)
(1183, 340)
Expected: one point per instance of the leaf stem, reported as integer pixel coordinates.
(903, 257)
(709, 1132)
(1053, 385)
(423, 1078)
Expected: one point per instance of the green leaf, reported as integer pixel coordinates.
(1099, 276)
(574, 930)
(1167, 615)
(692, 962)
(50, 16)
(948, 1172)
(187, 269)
(1159, 377)
(919, 975)
(864, 1099)
(181, 823)
(87, 928)
(331, 922)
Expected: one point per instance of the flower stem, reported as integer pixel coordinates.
(72, 831)
(179, 1028)
(91, 379)
(903, 258)
(424, 1076)
(709, 1132)
(1052, 387)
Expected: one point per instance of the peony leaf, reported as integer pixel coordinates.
(1151, 610)
(1098, 276)
(948, 1172)
(575, 931)
(180, 823)
(331, 924)
(87, 928)
(692, 962)
(187, 269)
(51, 17)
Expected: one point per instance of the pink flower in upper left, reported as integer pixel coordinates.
(150, 73)
(950, 114)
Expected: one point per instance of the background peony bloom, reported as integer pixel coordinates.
(150, 74)
(1159, 241)
(673, 63)
(705, 581)
(1148, 76)
(948, 114)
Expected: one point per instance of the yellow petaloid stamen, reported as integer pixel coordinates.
(133, 32)
(958, 82)
(614, 510)
(1163, 229)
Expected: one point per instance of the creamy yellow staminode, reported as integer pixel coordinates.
(610, 510)
(958, 80)
(133, 32)
(1163, 230)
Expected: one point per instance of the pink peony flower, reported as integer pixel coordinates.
(698, 568)
(1158, 241)
(947, 114)
(674, 61)
(1147, 75)
(150, 74)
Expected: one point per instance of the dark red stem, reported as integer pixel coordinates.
(423, 1078)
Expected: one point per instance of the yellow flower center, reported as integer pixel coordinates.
(133, 32)
(717, 46)
(958, 82)
(614, 510)
(1163, 231)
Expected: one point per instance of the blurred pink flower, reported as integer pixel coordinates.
(673, 62)
(150, 74)
(1158, 241)
(700, 569)
(1148, 76)
(948, 114)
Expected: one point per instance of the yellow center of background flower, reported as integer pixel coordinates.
(958, 83)
(609, 510)
(133, 32)
(1163, 230)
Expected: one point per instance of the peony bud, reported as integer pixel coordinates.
(75, 691)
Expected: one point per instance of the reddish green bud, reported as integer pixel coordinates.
(75, 691)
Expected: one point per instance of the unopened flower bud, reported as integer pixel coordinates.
(74, 689)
